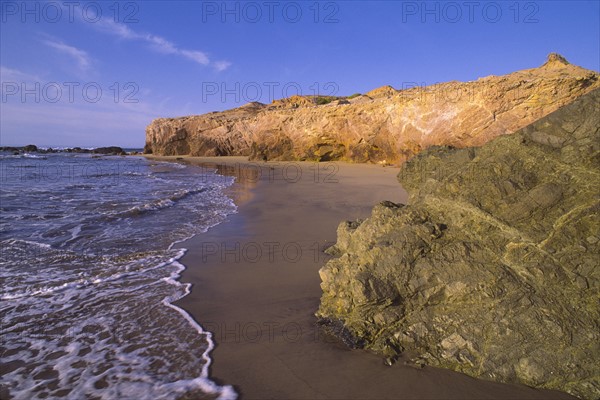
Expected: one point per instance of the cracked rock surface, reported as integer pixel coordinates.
(493, 268)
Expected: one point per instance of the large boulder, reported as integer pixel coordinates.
(493, 269)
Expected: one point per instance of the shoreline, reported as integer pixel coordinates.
(255, 287)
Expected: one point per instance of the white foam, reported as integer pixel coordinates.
(75, 231)
(29, 155)
(108, 357)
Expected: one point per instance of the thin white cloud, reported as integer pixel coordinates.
(159, 44)
(15, 75)
(162, 45)
(120, 30)
(81, 57)
(196, 56)
(221, 65)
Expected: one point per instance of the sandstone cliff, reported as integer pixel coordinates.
(493, 267)
(384, 125)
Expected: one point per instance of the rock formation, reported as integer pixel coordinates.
(493, 269)
(385, 125)
(31, 148)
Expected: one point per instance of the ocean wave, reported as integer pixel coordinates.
(17, 242)
(106, 353)
(159, 204)
(110, 273)
(174, 165)
(87, 299)
(24, 156)
(36, 156)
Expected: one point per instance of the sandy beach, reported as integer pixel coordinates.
(256, 288)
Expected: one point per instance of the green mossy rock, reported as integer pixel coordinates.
(493, 268)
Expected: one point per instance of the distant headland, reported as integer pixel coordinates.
(31, 148)
(385, 125)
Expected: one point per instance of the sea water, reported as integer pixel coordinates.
(89, 274)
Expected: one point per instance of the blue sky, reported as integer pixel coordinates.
(96, 73)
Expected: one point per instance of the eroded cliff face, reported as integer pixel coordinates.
(493, 269)
(384, 125)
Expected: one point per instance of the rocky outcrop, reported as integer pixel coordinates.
(385, 125)
(110, 150)
(31, 148)
(493, 267)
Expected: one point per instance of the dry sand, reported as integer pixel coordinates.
(256, 287)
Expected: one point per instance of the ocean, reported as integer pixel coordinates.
(89, 274)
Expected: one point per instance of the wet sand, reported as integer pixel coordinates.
(256, 287)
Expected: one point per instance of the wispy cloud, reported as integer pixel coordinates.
(196, 56)
(221, 65)
(159, 44)
(81, 57)
(15, 75)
